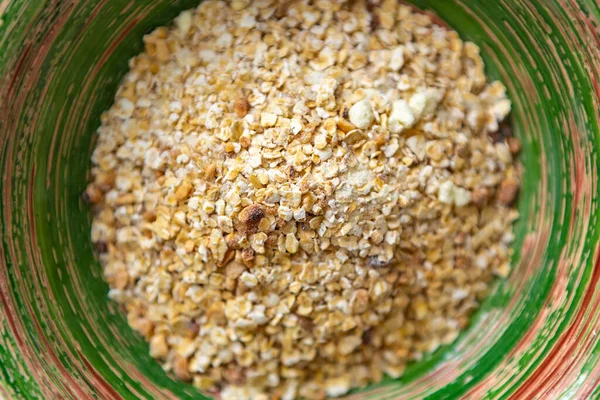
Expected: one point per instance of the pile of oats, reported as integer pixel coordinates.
(294, 199)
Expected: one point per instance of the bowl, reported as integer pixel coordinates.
(535, 336)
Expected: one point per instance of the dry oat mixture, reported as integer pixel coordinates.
(293, 199)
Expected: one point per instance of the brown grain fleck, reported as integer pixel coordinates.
(92, 194)
(481, 196)
(251, 215)
(241, 107)
(514, 145)
(507, 193)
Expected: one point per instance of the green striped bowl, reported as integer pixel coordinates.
(536, 336)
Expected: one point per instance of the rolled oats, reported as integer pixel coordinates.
(293, 199)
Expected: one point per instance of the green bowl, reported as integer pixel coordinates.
(536, 336)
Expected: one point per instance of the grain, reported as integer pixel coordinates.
(292, 201)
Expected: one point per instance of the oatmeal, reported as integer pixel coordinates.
(294, 199)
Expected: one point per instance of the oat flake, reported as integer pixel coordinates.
(293, 200)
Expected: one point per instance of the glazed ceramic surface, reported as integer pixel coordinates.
(536, 336)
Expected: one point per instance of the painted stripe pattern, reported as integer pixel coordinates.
(536, 337)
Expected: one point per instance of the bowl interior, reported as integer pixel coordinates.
(60, 64)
